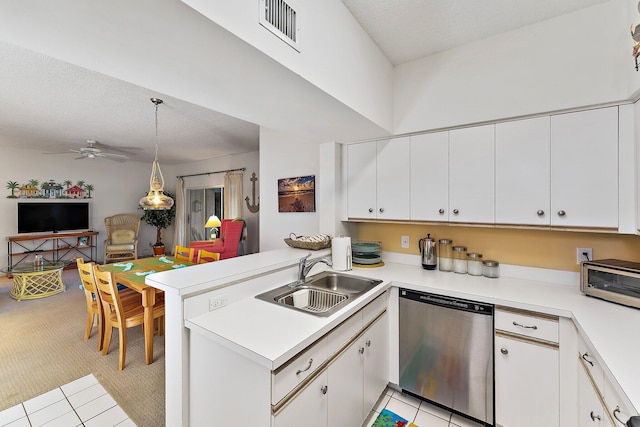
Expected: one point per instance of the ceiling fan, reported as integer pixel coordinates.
(96, 149)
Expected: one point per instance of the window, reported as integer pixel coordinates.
(202, 203)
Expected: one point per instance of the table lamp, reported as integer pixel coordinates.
(213, 222)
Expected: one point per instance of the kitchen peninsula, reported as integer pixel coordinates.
(268, 336)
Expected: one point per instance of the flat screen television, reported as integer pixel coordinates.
(37, 217)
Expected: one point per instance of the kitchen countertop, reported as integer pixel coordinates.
(270, 334)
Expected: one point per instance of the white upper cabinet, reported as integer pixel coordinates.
(584, 168)
(362, 180)
(523, 171)
(471, 174)
(378, 179)
(393, 178)
(430, 177)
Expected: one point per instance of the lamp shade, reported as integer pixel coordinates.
(213, 221)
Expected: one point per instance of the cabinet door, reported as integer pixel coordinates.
(527, 384)
(361, 180)
(345, 387)
(310, 405)
(590, 410)
(429, 196)
(523, 171)
(376, 362)
(471, 174)
(392, 180)
(584, 168)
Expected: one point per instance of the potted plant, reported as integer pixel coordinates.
(160, 219)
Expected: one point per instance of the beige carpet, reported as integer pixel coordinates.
(42, 347)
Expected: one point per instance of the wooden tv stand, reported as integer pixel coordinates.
(54, 247)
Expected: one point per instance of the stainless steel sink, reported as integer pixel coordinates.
(322, 294)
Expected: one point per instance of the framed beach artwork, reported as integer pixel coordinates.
(297, 194)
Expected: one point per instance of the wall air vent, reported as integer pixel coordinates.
(281, 19)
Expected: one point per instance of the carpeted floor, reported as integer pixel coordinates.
(42, 347)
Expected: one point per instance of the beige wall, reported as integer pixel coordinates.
(533, 248)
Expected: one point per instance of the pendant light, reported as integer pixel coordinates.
(156, 199)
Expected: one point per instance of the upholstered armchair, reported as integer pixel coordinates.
(122, 237)
(227, 244)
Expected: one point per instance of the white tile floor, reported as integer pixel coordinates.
(83, 402)
(416, 411)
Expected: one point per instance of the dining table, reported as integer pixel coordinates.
(132, 274)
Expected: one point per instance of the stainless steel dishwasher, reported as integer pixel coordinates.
(446, 353)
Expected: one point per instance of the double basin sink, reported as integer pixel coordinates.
(322, 294)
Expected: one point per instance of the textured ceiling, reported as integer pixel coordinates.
(410, 29)
(50, 105)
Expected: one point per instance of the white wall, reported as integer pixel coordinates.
(118, 188)
(573, 60)
(250, 161)
(632, 73)
(285, 156)
(334, 52)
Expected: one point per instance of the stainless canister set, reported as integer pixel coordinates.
(456, 259)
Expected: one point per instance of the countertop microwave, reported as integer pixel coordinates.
(613, 280)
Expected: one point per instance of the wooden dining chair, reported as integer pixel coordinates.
(206, 256)
(183, 253)
(94, 306)
(121, 314)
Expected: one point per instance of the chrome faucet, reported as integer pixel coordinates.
(304, 268)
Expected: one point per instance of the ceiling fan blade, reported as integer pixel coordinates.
(80, 158)
(111, 148)
(59, 152)
(113, 156)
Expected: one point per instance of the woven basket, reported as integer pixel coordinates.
(314, 246)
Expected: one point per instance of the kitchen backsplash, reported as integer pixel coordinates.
(533, 248)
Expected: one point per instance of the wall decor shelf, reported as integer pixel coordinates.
(54, 247)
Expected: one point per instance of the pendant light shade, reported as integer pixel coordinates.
(155, 198)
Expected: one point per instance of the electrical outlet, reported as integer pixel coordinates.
(216, 303)
(584, 254)
(404, 242)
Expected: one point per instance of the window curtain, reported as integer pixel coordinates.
(180, 227)
(233, 194)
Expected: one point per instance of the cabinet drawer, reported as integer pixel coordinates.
(344, 332)
(591, 363)
(526, 323)
(375, 307)
(297, 369)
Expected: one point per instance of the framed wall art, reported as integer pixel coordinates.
(297, 194)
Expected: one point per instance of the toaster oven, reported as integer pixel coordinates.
(612, 280)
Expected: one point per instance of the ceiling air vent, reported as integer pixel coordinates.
(281, 19)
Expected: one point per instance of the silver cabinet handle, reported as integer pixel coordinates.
(381, 210)
(504, 351)
(595, 417)
(440, 211)
(615, 415)
(368, 343)
(370, 210)
(584, 357)
(456, 211)
(299, 371)
(562, 213)
(361, 350)
(324, 389)
(540, 212)
(534, 327)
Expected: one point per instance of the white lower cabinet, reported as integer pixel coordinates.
(527, 369)
(527, 385)
(310, 405)
(345, 389)
(590, 409)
